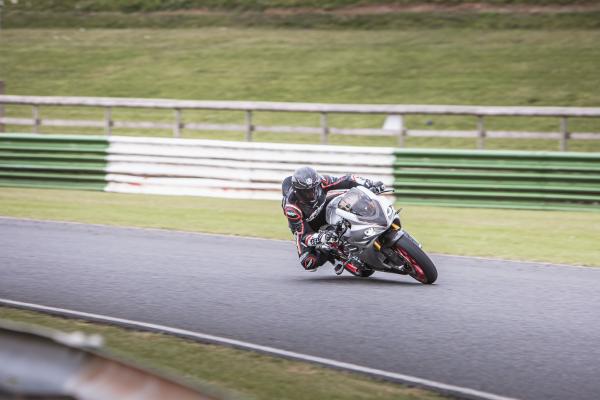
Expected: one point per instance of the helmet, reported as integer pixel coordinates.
(307, 186)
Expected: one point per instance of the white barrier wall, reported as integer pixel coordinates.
(230, 169)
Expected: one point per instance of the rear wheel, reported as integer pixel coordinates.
(421, 266)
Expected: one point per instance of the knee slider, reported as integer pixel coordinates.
(308, 261)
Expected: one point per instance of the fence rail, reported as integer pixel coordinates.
(401, 131)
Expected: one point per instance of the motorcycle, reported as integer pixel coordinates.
(370, 238)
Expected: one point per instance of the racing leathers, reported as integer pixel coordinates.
(305, 220)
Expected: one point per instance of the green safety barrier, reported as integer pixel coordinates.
(506, 179)
(471, 178)
(53, 161)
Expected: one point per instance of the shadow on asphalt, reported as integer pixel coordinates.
(354, 280)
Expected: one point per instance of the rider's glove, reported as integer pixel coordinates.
(376, 187)
(324, 237)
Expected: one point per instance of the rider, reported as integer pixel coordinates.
(305, 197)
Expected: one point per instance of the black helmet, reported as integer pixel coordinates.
(307, 186)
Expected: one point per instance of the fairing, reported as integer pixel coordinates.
(369, 215)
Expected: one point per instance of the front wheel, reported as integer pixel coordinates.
(421, 266)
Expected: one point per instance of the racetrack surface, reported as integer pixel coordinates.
(523, 330)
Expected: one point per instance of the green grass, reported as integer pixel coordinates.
(445, 66)
(244, 374)
(550, 236)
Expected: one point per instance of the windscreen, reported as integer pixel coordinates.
(358, 203)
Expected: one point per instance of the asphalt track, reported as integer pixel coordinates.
(522, 330)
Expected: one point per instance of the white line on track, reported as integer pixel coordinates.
(460, 391)
(290, 241)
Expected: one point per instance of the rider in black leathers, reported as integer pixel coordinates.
(305, 198)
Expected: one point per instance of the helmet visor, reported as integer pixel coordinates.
(310, 195)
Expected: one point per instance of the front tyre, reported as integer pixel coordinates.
(421, 266)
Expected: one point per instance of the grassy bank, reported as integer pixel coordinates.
(551, 236)
(245, 374)
(445, 66)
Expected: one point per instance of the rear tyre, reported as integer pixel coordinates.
(422, 268)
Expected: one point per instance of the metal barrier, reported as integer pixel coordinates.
(513, 179)
(324, 110)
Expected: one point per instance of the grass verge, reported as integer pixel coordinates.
(245, 374)
(547, 236)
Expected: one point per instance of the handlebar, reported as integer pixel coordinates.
(341, 227)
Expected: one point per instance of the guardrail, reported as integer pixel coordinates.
(400, 130)
(506, 179)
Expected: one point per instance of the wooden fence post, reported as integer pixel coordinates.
(108, 123)
(1, 106)
(324, 128)
(249, 126)
(480, 134)
(36, 119)
(564, 130)
(178, 124)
